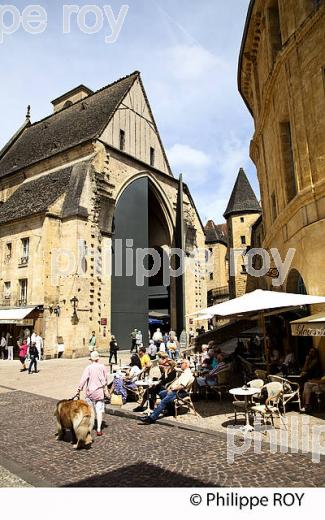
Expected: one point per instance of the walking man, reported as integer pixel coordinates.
(10, 347)
(92, 341)
(3, 346)
(39, 345)
(113, 348)
(94, 381)
(33, 355)
(133, 340)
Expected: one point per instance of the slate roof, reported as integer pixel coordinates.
(37, 195)
(242, 198)
(69, 127)
(215, 233)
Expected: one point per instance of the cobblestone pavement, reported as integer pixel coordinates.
(132, 454)
(8, 479)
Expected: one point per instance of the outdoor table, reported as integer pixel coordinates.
(246, 392)
(149, 383)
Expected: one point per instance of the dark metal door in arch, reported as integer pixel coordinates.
(129, 305)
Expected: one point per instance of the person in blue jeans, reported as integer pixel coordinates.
(169, 396)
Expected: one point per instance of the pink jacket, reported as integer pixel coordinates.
(23, 350)
(93, 379)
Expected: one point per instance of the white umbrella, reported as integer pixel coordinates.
(260, 301)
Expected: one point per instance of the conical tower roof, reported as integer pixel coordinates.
(242, 198)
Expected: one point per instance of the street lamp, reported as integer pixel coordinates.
(74, 302)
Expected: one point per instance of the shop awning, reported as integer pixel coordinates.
(16, 316)
(313, 325)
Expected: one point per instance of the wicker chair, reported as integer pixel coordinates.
(185, 401)
(240, 405)
(271, 407)
(291, 392)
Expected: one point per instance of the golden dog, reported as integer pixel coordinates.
(78, 417)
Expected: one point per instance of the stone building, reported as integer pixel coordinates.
(217, 245)
(82, 192)
(281, 77)
(241, 213)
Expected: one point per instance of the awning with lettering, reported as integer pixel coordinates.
(15, 315)
(313, 325)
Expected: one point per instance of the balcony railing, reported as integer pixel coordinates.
(22, 302)
(6, 301)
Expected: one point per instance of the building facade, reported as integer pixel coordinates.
(241, 213)
(281, 77)
(217, 278)
(83, 193)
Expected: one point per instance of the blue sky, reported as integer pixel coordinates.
(187, 52)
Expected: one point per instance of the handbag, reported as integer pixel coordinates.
(116, 400)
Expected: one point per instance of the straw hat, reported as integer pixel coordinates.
(94, 356)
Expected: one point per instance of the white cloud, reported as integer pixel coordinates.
(193, 163)
(190, 62)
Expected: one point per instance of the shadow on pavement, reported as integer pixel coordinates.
(141, 475)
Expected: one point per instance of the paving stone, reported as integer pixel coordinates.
(134, 455)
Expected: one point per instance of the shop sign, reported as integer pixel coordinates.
(308, 329)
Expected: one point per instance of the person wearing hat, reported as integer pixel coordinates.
(94, 382)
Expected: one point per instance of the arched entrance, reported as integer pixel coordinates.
(139, 223)
(301, 345)
(295, 283)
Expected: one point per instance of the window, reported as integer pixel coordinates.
(8, 250)
(211, 276)
(122, 140)
(288, 160)
(24, 250)
(274, 212)
(23, 291)
(274, 29)
(152, 156)
(243, 269)
(243, 239)
(7, 290)
(242, 219)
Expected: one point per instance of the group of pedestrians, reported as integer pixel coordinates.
(30, 349)
(7, 346)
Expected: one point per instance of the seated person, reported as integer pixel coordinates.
(210, 378)
(144, 358)
(240, 369)
(168, 374)
(168, 396)
(135, 368)
(289, 362)
(310, 387)
(275, 360)
(204, 354)
(210, 362)
(310, 370)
